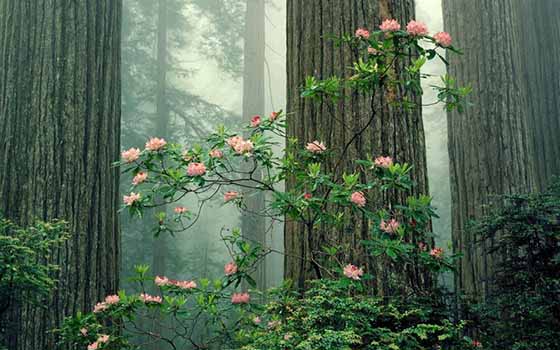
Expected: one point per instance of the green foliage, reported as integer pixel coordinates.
(26, 263)
(334, 315)
(26, 255)
(523, 310)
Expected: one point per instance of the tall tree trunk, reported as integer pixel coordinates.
(490, 147)
(253, 227)
(59, 134)
(541, 73)
(393, 132)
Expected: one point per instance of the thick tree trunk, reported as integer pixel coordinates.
(393, 132)
(59, 134)
(253, 226)
(490, 147)
(541, 73)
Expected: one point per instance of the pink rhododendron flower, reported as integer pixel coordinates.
(353, 272)
(257, 320)
(161, 281)
(230, 268)
(150, 298)
(103, 338)
(93, 346)
(185, 284)
(256, 121)
(416, 28)
(390, 226)
(130, 155)
(155, 144)
(372, 51)
(362, 33)
(131, 198)
(196, 169)
(244, 147)
(307, 196)
(84, 332)
(443, 38)
(358, 199)
(112, 299)
(437, 253)
(139, 178)
(240, 298)
(230, 195)
(216, 153)
(234, 140)
(273, 116)
(316, 147)
(180, 210)
(390, 25)
(476, 344)
(287, 336)
(383, 162)
(100, 307)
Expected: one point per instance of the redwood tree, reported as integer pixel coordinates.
(59, 131)
(393, 131)
(490, 147)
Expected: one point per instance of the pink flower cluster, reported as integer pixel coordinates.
(256, 121)
(147, 298)
(104, 305)
(180, 210)
(358, 199)
(230, 268)
(417, 28)
(230, 195)
(216, 153)
(155, 144)
(383, 162)
(390, 25)
(273, 116)
(102, 339)
(353, 272)
(437, 253)
(390, 226)
(316, 147)
(362, 33)
(443, 38)
(240, 298)
(162, 281)
(130, 155)
(139, 178)
(131, 198)
(196, 169)
(240, 145)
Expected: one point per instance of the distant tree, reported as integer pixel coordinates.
(541, 58)
(490, 146)
(60, 132)
(392, 131)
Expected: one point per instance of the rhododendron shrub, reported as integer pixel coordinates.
(227, 164)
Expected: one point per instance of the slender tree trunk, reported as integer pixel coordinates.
(160, 244)
(394, 132)
(490, 146)
(253, 226)
(59, 134)
(540, 30)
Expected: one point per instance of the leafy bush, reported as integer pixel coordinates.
(522, 311)
(26, 268)
(335, 315)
